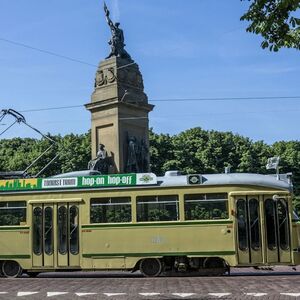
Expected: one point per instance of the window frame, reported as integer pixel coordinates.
(7, 207)
(110, 204)
(177, 203)
(225, 200)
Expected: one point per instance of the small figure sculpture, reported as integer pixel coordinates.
(144, 165)
(132, 156)
(101, 162)
(117, 40)
(102, 153)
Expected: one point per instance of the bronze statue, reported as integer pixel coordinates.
(101, 162)
(132, 156)
(117, 40)
(144, 164)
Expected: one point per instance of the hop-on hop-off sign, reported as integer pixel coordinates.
(101, 181)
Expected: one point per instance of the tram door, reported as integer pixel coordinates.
(277, 230)
(55, 235)
(249, 241)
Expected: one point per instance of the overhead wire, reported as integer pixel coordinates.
(177, 100)
(47, 52)
(152, 100)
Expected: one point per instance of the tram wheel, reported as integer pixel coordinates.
(11, 269)
(151, 267)
(215, 266)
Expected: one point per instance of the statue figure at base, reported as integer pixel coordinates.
(132, 156)
(117, 40)
(143, 157)
(102, 162)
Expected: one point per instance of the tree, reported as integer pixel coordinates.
(192, 151)
(161, 152)
(275, 21)
(73, 153)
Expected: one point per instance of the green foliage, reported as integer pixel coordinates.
(192, 151)
(159, 214)
(160, 151)
(296, 205)
(73, 154)
(111, 214)
(206, 211)
(275, 22)
(199, 151)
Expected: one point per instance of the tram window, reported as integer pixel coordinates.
(283, 224)
(37, 230)
(241, 211)
(157, 208)
(206, 206)
(270, 224)
(254, 223)
(12, 213)
(62, 220)
(110, 210)
(74, 230)
(48, 230)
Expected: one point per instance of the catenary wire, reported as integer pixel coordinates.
(176, 100)
(47, 52)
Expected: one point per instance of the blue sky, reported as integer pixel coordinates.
(185, 49)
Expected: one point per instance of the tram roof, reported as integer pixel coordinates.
(281, 181)
(87, 180)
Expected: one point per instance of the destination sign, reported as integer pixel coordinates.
(102, 181)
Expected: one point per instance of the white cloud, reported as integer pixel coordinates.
(270, 69)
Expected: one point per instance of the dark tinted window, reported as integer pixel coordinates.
(242, 224)
(37, 231)
(254, 223)
(157, 208)
(283, 224)
(12, 213)
(62, 220)
(74, 230)
(110, 210)
(270, 224)
(206, 206)
(48, 230)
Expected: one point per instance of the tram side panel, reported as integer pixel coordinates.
(122, 247)
(15, 245)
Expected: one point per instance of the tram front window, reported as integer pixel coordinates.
(242, 224)
(283, 224)
(254, 224)
(270, 223)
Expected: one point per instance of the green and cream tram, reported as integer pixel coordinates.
(204, 223)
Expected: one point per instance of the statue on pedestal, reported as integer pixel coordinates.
(117, 40)
(102, 162)
(132, 156)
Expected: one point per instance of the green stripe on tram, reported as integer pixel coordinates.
(223, 222)
(13, 228)
(14, 256)
(91, 255)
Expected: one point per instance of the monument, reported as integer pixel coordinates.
(119, 111)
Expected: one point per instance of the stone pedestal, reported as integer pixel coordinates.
(120, 109)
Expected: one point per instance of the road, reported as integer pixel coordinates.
(282, 283)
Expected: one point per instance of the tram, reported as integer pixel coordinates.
(181, 223)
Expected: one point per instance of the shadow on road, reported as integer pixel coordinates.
(240, 272)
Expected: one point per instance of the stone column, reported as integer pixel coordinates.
(119, 109)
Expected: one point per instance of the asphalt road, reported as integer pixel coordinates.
(282, 283)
